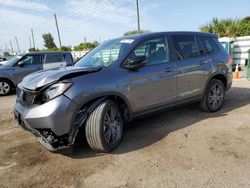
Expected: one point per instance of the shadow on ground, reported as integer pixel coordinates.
(144, 132)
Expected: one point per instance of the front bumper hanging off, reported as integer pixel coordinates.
(49, 122)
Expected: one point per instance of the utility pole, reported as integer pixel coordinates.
(58, 33)
(6, 48)
(32, 34)
(138, 16)
(30, 42)
(17, 44)
(11, 48)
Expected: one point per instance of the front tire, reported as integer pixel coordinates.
(104, 127)
(5, 87)
(214, 96)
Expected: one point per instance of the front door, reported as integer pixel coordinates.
(153, 85)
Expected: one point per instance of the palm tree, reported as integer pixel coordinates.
(223, 27)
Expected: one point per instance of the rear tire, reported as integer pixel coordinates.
(214, 96)
(104, 127)
(6, 87)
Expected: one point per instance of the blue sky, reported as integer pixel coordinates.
(105, 19)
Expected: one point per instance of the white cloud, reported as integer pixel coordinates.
(24, 4)
(19, 24)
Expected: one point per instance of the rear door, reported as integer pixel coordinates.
(54, 61)
(32, 63)
(192, 66)
(153, 85)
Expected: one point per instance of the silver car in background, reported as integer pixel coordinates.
(120, 80)
(15, 69)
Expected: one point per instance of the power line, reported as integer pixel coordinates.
(104, 12)
(101, 9)
(79, 11)
(89, 12)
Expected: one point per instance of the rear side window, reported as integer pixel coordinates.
(185, 47)
(53, 58)
(209, 45)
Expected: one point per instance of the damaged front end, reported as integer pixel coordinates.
(43, 109)
(55, 123)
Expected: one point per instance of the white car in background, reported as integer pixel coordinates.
(2, 60)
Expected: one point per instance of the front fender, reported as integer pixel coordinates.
(8, 76)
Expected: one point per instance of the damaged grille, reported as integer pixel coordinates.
(26, 98)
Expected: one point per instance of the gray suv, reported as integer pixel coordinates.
(120, 80)
(15, 69)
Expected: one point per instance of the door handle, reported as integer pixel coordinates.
(205, 62)
(168, 70)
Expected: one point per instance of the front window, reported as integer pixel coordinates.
(155, 51)
(12, 61)
(105, 54)
(31, 59)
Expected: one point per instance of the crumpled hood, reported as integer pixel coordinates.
(40, 79)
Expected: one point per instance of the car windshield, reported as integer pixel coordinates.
(105, 54)
(12, 61)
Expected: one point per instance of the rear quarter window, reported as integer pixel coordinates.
(209, 45)
(53, 58)
(68, 59)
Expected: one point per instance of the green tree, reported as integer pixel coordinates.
(6, 54)
(33, 50)
(66, 48)
(228, 27)
(48, 40)
(85, 46)
(135, 32)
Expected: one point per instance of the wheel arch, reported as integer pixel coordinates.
(117, 97)
(219, 76)
(91, 105)
(9, 80)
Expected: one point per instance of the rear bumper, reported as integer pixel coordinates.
(49, 122)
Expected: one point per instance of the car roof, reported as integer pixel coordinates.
(42, 53)
(155, 34)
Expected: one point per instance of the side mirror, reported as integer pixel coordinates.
(135, 63)
(21, 63)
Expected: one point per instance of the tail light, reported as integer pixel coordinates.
(230, 59)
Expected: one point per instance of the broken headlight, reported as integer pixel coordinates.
(55, 90)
